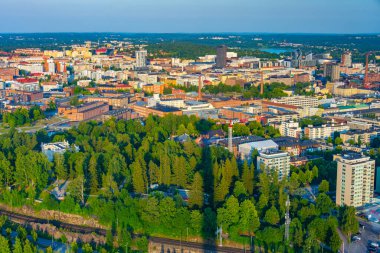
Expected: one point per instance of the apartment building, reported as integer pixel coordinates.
(332, 71)
(360, 136)
(141, 58)
(301, 101)
(117, 101)
(291, 129)
(355, 179)
(277, 116)
(157, 88)
(274, 160)
(324, 131)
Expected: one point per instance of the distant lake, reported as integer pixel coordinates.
(275, 50)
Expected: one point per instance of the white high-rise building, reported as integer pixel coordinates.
(274, 160)
(141, 58)
(355, 179)
(51, 66)
(291, 129)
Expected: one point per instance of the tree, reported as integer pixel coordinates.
(4, 246)
(74, 101)
(348, 221)
(315, 171)
(334, 240)
(248, 176)
(138, 179)
(249, 220)
(296, 232)
(28, 248)
(93, 173)
(179, 171)
(196, 192)
(324, 203)
(6, 173)
(294, 182)
(165, 170)
(240, 191)
(60, 167)
(272, 216)
(264, 184)
(338, 141)
(154, 172)
(17, 247)
(240, 130)
(76, 189)
(196, 221)
(310, 242)
(229, 214)
(324, 186)
(271, 236)
(87, 248)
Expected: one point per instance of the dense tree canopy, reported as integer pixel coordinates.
(128, 175)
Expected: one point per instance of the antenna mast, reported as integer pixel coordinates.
(287, 220)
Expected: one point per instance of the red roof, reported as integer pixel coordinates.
(123, 86)
(36, 74)
(101, 50)
(27, 80)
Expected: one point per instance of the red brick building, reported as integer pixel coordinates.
(302, 78)
(84, 111)
(160, 111)
(7, 74)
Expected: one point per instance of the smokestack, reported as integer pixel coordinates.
(230, 137)
(262, 83)
(365, 81)
(200, 88)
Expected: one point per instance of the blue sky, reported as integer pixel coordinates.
(272, 16)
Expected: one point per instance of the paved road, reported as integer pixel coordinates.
(371, 232)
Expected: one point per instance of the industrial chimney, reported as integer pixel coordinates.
(230, 137)
(200, 88)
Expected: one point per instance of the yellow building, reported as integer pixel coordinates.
(171, 81)
(53, 53)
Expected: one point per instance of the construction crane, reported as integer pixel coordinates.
(366, 82)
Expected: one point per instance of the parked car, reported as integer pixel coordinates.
(356, 238)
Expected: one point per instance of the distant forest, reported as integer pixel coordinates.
(178, 44)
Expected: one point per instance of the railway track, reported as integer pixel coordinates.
(194, 245)
(100, 231)
(58, 224)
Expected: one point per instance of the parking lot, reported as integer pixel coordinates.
(371, 232)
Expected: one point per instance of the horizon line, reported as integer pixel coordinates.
(189, 33)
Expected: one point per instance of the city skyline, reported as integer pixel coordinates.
(199, 16)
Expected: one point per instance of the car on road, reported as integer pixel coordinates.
(372, 244)
(355, 238)
(372, 250)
